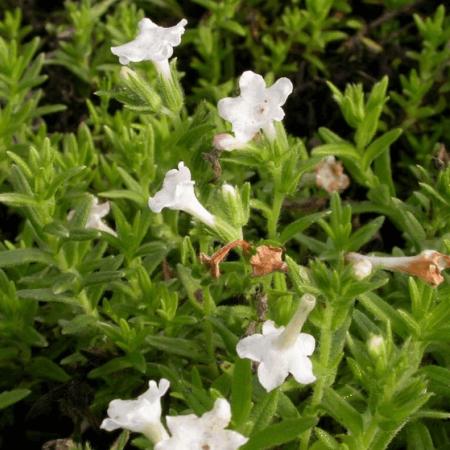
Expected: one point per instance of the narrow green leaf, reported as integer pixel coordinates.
(185, 348)
(300, 225)
(241, 391)
(279, 433)
(380, 145)
(19, 256)
(42, 367)
(265, 410)
(342, 411)
(342, 150)
(15, 199)
(8, 398)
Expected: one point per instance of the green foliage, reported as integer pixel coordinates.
(87, 316)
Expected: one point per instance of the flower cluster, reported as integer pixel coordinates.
(143, 415)
(278, 351)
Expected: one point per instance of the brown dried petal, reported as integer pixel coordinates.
(267, 260)
(214, 260)
(428, 266)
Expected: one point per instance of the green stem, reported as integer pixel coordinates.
(324, 361)
(274, 217)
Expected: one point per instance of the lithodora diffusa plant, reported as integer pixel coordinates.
(178, 270)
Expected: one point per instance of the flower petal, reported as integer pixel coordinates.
(280, 91)
(146, 24)
(244, 131)
(272, 371)
(277, 114)
(252, 86)
(174, 33)
(161, 200)
(219, 417)
(251, 347)
(270, 328)
(173, 443)
(100, 209)
(302, 369)
(155, 391)
(232, 109)
(227, 440)
(184, 425)
(110, 425)
(305, 344)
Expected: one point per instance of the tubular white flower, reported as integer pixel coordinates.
(96, 213)
(256, 108)
(282, 350)
(142, 415)
(427, 265)
(178, 193)
(153, 43)
(202, 433)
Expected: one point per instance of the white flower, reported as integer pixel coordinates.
(142, 415)
(178, 193)
(282, 350)
(153, 43)
(227, 142)
(96, 213)
(330, 175)
(427, 265)
(207, 432)
(256, 108)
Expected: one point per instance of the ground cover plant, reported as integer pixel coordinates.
(224, 224)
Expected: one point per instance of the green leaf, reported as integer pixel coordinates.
(8, 398)
(265, 410)
(300, 225)
(20, 256)
(126, 194)
(330, 137)
(15, 199)
(439, 380)
(42, 367)
(364, 234)
(185, 348)
(121, 441)
(343, 150)
(418, 437)
(112, 366)
(380, 145)
(241, 391)
(46, 295)
(326, 439)
(342, 411)
(279, 433)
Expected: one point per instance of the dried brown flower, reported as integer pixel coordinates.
(427, 265)
(330, 175)
(267, 260)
